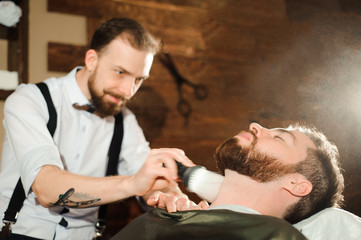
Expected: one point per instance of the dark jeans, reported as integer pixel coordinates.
(15, 236)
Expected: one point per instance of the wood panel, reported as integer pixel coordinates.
(94, 8)
(4, 32)
(64, 57)
(274, 62)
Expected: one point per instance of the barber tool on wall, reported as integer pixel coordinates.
(200, 91)
(200, 181)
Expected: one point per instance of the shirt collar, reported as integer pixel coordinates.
(76, 95)
(235, 208)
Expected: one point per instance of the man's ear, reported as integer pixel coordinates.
(298, 185)
(91, 59)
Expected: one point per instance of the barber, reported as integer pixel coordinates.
(62, 173)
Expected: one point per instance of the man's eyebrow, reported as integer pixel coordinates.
(281, 130)
(120, 68)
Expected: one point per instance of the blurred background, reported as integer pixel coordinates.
(274, 62)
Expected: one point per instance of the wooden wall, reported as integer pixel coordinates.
(269, 61)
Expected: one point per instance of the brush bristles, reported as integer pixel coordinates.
(205, 183)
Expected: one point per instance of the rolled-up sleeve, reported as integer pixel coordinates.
(25, 119)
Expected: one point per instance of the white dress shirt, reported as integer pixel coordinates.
(80, 145)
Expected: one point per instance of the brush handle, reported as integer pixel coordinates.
(181, 170)
(199, 180)
(184, 173)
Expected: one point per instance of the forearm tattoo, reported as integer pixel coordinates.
(78, 200)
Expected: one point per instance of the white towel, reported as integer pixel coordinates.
(331, 224)
(8, 80)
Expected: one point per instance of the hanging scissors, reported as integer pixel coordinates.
(200, 91)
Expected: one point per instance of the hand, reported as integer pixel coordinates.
(174, 203)
(159, 170)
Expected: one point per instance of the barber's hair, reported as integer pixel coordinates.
(322, 168)
(138, 36)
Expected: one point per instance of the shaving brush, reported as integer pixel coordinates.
(199, 180)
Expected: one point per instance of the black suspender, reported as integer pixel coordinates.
(11, 214)
(115, 145)
(18, 196)
(53, 117)
(113, 156)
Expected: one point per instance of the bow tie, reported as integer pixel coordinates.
(86, 107)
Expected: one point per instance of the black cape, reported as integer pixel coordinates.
(158, 224)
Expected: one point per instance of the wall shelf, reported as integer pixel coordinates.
(17, 38)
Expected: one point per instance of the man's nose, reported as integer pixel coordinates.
(258, 130)
(127, 86)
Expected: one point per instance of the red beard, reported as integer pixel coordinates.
(249, 162)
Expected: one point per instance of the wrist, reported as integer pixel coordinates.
(127, 187)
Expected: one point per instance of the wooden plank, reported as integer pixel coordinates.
(5, 93)
(95, 8)
(23, 67)
(64, 57)
(93, 23)
(165, 6)
(13, 49)
(158, 17)
(4, 32)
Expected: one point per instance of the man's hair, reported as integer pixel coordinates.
(322, 168)
(129, 29)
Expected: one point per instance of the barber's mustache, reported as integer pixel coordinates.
(116, 95)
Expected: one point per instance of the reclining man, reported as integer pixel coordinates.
(271, 175)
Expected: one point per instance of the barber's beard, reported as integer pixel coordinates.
(102, 107)
(249, 162)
